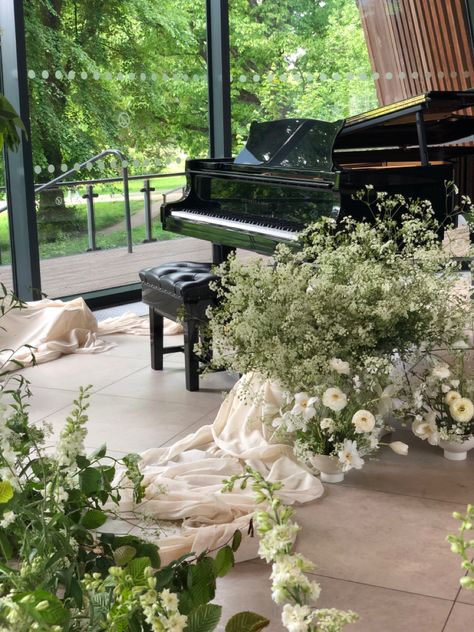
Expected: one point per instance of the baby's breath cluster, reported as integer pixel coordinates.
(290, 584)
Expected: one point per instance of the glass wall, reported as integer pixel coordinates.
(129, 76)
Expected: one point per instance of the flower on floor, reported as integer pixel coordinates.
(290, 584)
(439, 395)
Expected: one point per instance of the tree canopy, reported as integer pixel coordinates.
(132, 74)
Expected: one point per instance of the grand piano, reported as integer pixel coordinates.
(293, 171)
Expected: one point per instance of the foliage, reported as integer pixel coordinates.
(290, 584)
(361, 292)
(10, 123)
(96, 55)
(463, 546)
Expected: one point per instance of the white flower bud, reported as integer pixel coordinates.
(399, 447)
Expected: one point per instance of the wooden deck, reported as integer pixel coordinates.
(77, 274)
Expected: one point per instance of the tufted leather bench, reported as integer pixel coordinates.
(179, 291)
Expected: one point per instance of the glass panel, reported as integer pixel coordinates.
(5, 248)
(129, 76)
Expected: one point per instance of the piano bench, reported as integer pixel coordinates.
(179, 291)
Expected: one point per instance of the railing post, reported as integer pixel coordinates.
(89, 196)
(147, 189)
(126, 197)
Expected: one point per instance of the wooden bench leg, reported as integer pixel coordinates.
(156, 339)
(191, 361)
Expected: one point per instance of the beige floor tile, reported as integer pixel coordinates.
(206, 419)
(169, 386)
(128, 346)
(465, 596)
(46, 401)
(247, 587)
(129, 424)
(80, 369)
(461, 619)
(424, 472)
(381, 539)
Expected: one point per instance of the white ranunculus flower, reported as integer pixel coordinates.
(363, 421)
(441, 372)
(328, 424)
(451, 396)
(169, 600)
(304, 405)
(296, 618)
(334, 399)
(399, 447)
(462, 410)
(349, 456)
(341, 367)
(427, 429)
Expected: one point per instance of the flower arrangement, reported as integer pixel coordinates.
(290, 584)
(342, 419)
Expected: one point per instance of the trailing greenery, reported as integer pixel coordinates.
(463, 545)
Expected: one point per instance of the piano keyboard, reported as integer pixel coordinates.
(249, 227)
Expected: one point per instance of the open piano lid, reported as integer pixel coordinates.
(394, 125)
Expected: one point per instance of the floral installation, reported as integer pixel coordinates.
(342, 417)
(463, 546)
(439, 395)
(290, 584)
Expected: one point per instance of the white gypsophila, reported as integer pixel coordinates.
(357, 383)
(169, 600)
(451, 396)
(7, 519)
(426, 428)
(462, 410)
(334, 399)
(304, 405)
(454, 383)
(349, 456)
(340, 366)
(441, 372)
(296, 618)
(363, 421)
(328, 424)
(277, 541)
(288, 576)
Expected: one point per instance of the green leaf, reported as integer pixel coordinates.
(6, 492)
(136, 569)
(82, 461)
(246, 622)
(91, 480)
(204, 618)
(99, 453)
(54, 614)
(236, 540)
(224, 561)
(99, 607)
(93, 519)
(6, 548)
(124, 554)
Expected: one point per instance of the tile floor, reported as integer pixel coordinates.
(378, 538)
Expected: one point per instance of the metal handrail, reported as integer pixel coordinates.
(126, 195)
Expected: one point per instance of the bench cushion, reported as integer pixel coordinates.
(187, 281)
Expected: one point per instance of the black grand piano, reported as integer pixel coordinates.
(293, 171)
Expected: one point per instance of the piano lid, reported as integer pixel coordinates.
(394, 125)
(300, 144)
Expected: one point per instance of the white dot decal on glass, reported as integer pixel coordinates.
(349, 76)
(113, 163)
(63, 167)
(414, 75)
(242, 78)
(196, 77)
(50, 168)
(45, 74)
(388, 75)
(124, 163)
(336, 76)
(154, 76)
(428, 74)
(101, 165)
(165, 77)
(83, 75)
(31, 74)
(58, 74)
(178, 160)
(142, 76)
(96, 75)
(136, 163)
(466, 73)
(363, 76)
(402, 75)
(309, 77)
(282, 77)
(132, 76)
(89, 166)
(71, 74)
(440, 74)
(120, 76)
(108, 76)
(376, 76)
(256, 78)
(76, 166)
(323, 76)
(453, 74)
(37, 169)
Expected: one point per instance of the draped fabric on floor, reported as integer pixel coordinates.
(51, 328)
(184, 481)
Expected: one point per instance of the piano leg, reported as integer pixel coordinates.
(191, 361)
(220, 253)
(156, 339)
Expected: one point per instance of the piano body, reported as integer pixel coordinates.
(293, 171)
